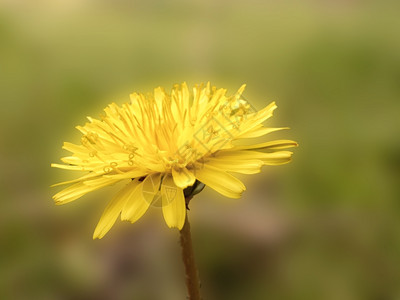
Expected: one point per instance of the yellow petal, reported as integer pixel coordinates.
(183, 177)
(240, 90)
(77, 190)
(128, 175)
(239, 166)
(220, 181)
(173, 200)
(277, 158)
(271, 158)
(91, 175)
(256, 119)
(77, 149)
(278, 144)
(71, 160)
(136, 205)
(159, 97)
(68, 167)
(113, 209)
(151, 187)
(99, 181)
(185, 96)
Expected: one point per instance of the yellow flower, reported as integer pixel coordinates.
(163, 145)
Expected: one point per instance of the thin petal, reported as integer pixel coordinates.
(78, 149)
(220, 181)
(277, 158)
(173, 200)
(77, 190)
(183, 177)
(151, 186)
(258, 118)
(113, 209)
(273, 145)
(68, 167)
(99, 181)
(128, 175)
(91, 175)
(271, 158)
(241, 90)
(245, 166)
(136, 206)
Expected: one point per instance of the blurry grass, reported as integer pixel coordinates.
(334, 70)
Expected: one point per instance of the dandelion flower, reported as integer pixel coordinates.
(163, 145)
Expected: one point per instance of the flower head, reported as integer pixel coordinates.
(163, 145)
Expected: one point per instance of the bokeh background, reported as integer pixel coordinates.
(326, 226)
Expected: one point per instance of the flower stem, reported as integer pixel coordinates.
(192, 277)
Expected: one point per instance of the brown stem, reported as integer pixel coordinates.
(192, 277)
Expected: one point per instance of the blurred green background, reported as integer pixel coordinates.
(325, 226)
